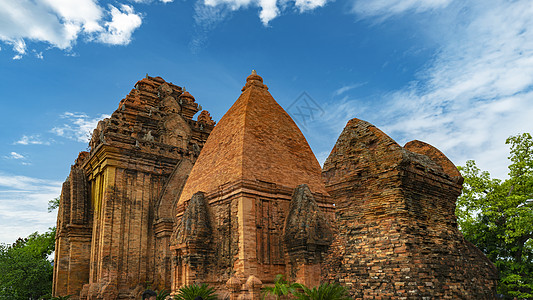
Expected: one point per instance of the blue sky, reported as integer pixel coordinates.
(455, 74)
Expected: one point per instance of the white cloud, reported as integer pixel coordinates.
(31, 140)
(209, 13)
(19, 46)
(27, 184)
(84, 14)
(18, 157)
(347, 88)
(15, 155)
(123, 23)
(150, 1)
(60, 23)
(476, 92)
(305, 5)
(387, 8)
(23, 205)
(270, 9)
(79, 126)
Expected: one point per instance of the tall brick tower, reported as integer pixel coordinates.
(234, 206)
(117, 207)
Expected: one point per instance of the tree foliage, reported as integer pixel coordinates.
(53, 204)
(325, 291)
(281, 288)
(162, 295)
(284, 289)
(497, 216)
(25, 270)
(190, 292)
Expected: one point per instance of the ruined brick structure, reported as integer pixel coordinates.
(147, 207)
(117, 207)
(397, 233)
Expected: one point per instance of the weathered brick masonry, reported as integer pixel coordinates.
(163, 200)
(117, 208)
(397, 234)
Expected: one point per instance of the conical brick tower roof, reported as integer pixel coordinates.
(255, 140)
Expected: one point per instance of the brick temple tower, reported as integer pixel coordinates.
(234, 208)
(117, 206)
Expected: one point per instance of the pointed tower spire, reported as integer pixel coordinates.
(255, 140)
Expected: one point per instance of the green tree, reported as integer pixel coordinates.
(53, 204)
(25, 270)
(497, 216)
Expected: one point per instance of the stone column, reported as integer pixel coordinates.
(79, 237)
(163, 231)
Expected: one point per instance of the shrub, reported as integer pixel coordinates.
(281, 288)
(324, 291)
(189, 292)
(162, 295)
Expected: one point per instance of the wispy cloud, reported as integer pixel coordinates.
(31, 140)
(78, 126)
(150, 1)
(322, 156)
(206, 18)
(18, 157)
(27, 184)
(386, 8)
(475, 93)
(23, 205)
(61, 23)
(15, 155)
(347, 88)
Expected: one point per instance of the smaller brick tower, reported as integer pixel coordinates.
(233, 220)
